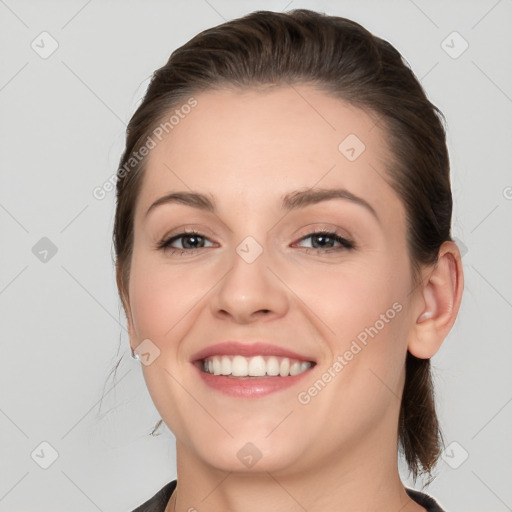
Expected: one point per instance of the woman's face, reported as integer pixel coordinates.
(256, 272)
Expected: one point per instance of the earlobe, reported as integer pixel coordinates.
(438, 300)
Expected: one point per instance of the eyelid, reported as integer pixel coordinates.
(188, 230)
(345, 241)
(324, 227)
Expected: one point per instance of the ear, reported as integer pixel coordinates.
(437, 302)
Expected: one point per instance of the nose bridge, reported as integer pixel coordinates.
(250, 288)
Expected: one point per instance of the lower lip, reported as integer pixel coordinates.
(250, 387)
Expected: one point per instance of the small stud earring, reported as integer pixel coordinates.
(134, 354)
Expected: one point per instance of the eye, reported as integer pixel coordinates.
(189, 240)
(324, 241)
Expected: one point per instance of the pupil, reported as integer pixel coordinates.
(323, 237)
(194, 237)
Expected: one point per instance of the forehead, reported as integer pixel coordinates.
(253, 146)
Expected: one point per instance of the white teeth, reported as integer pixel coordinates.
(284, 368)
(216, 366)
(239, 366)
(225, 366)
(257, 366)
(272, 366)
(295, 368)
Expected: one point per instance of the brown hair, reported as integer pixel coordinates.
(344, 59)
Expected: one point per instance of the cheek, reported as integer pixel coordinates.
(351, 296)
(362, 311)
(162, 299)
(161, 296)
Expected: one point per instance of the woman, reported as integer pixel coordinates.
(284, 259)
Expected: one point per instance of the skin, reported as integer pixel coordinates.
(248, 149)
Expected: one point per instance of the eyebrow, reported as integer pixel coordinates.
(291, 201)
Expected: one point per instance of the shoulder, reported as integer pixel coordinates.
(158, 502)
(426, 501)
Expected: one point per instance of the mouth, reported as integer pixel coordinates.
(238, 366)
(250, 371)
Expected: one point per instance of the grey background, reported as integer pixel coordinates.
(62, 121)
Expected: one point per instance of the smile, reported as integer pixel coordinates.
(256, 366)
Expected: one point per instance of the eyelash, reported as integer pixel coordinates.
(345, 243)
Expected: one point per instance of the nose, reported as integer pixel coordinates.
(249, 292)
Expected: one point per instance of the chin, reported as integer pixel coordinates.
(246, 456)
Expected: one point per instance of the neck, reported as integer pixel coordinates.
(351, 480)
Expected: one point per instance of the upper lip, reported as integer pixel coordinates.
(233, 348)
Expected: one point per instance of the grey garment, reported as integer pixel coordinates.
(159, 501)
